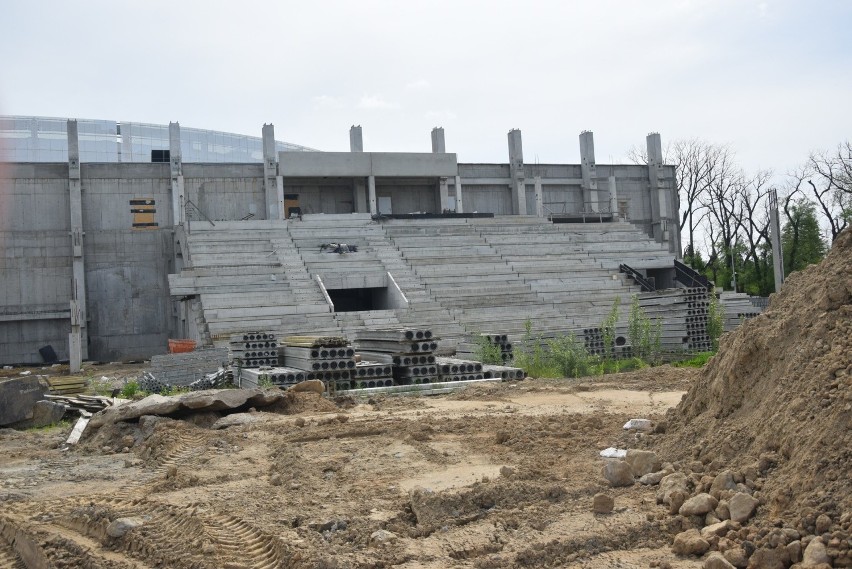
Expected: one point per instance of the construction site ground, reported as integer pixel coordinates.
(496, 475)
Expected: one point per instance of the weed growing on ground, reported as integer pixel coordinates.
(698, 360)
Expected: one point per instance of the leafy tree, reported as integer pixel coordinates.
(801, 239)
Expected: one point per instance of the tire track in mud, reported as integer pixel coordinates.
(238, 542)
(8, 558)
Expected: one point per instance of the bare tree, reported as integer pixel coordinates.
(754, 207)
(829, 176)
(724, 204)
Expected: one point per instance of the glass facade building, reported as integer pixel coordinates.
(43, 139)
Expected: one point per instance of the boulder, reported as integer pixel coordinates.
(742, 506)
(602, 504)
(618, 473)
(44, 413)
(737, 557)
(653, 478)
(720, 529)
(690, 542)
(717, 561)
(642, 462)
(698, 505)
(815, 553)
(777, 558)
(311, 385)
(382, 536)
(823, 524)
(675, 482)
(723, 481)
(17, 398)
(120, 526)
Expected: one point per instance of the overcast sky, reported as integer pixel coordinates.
(772, 78)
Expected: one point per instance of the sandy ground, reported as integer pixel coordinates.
(498, 475)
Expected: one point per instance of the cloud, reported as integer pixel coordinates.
(418, 85)
(375, 102)
(441, 116)
(328, 102)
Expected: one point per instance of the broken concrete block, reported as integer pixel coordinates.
(17, 398)
(44, 413)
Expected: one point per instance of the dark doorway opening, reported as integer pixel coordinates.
(358, 299)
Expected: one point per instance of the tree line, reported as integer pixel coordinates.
(724, 211)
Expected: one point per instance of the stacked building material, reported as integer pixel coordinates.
(183, 370)
(407, 346)
(738, 307)
(255, 349)
(267, 376)
(502, 372)
(452, 369)
(370, 374)
(328, 358)
(473, 345)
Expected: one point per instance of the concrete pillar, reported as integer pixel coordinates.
(589, 171)
(273, 190)
(613, 198)
(663, 221)
(371, 189)
(356, 142)
(78, 338)
(539, 198)
(775, 238)
(359, 187)
(655, 171)
(176, 166)
(459, 201)
(443, 194)
(438, 145)
(516, 169)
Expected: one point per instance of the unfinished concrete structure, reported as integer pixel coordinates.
(151, 250)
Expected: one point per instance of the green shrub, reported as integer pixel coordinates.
(645, 336)
(570, 357)
(698, 360)
(715, 321)
(488, 352)
(608, 328)
(130, 389)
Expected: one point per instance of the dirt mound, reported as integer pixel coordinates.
(777, 399)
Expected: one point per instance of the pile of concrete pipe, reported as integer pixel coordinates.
(262, 376)
(333, 363)
(411, 347)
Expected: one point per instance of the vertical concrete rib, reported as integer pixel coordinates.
(459, 201)
(77, 339)
(359, 189)
(539, 197)
(589, 171)
(176, 167)
(516, 170)
(273, 184)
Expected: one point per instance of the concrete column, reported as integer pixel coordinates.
(655, 172)
(356, 142)
(438, 145)
(78, 338)
(176, 166)
(274, 197)
(459, 201)
(775, 238)
(587, 166)
(516, 169)
(539, 198)
(443, 194)
(359, 188)
(371, 189)
(613, 198)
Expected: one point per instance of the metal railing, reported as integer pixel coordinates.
(689, 277)
(637, 277)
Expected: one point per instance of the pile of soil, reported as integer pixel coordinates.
(777, 399)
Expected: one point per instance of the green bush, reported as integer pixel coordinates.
(488, 352)
(698, 360)
(645, 336)
(570, 357)
(130, 389)
(715, 321)
(608, 328)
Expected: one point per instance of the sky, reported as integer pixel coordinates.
(770, 78)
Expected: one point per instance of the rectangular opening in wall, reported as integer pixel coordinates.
(359, 299)
(160, 155)
(143, 211)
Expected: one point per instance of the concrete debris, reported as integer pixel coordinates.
(612, 452)
(690, 542)
(119, 527)
(642, 462)
(618, 473)
(44, 413)
(77, 431)
(602, 503)
(638, 425)
(742, 506)
(17, 398)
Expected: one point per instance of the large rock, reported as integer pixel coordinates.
(206, 401)
(310, 386)
(690, 542)
(815, 553)
(119, 527)
(653, 478)
(17, 398)
(719, 529)
(717, 561)
(44, 413)
(777, 558)
(723, 481)
(618, 473)
(742, 506)
(675, 482)
(698, 505)
(602, 504)
(642, 462)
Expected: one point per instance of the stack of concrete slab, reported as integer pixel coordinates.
(181, 370)
(403, 345)
(255, 348)
(265, 376)
(454, 369)
(738, 307)
(328, 358)
(505, 373)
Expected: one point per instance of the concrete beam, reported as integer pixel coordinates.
(613, 196)
(273, 184)
(371, 189)
(539, 198)
(459, 200)
(176, 169)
